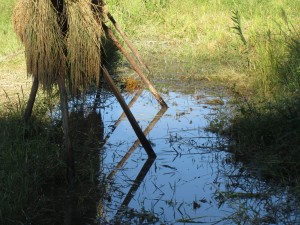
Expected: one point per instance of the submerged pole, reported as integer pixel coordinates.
(65, 119)
(145, 143)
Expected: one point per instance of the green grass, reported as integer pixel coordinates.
(8, 40)
(265, 135)
(30, 158)
(190, 40)
(32, 164)
(197, 33)
(265, 129)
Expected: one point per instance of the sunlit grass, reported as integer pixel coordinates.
(180, 40)
(199, 33)
(8, 40)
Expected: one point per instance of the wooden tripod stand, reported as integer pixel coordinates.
(64, 99)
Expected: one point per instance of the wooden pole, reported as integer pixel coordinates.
(135, 67)
(65, 117)
(145, 143)
(136, 143)
(123, 35)
(31, 100)
(123, 115)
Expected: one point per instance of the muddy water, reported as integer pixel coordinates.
(193, 179)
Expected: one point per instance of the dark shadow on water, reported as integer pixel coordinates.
(77, 204)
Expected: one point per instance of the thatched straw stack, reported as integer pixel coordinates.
(83, 44)
(74, 55)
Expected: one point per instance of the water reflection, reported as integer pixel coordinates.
(144, 170)
(193, 179)
(60, 204)
(254, 201)
(136, 143)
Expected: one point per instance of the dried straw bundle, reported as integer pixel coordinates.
(36, 24)
(84, 43)
(49, 53)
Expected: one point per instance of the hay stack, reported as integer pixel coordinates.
(74, 54)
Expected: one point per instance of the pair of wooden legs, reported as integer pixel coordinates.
(64, 100)
(69, 157)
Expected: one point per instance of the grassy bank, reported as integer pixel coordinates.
(8, 41)
(33, 185)
(265, 130)
(12, 63)
(194, 39)
(24, 151)
(179, 40)
(190, 40)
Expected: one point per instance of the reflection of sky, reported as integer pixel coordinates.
(188, 167)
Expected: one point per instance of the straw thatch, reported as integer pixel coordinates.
(50, 51)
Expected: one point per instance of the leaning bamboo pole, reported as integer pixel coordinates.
(145, 143)
(129, 44)
(134, 66)
(63, 47)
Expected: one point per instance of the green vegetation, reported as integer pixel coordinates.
(8, 41)
(250, 46)
(24, 151)
(33, 167)
(266, 127)
(194, 39)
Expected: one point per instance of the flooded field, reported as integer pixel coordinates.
(193, 180)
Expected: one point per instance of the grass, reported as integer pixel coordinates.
(189, 40)
(24, 151)
(197, 36)
(8, 41)
(32, 169)
(265, 129)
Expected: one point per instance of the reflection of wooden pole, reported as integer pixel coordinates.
(135, 66)
(123, 35)
(145, 143)
(137, 142)
(138, 180)
(65, 118)
(133, 100)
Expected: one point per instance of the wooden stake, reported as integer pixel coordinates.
(31, 100)
(123, 35)
(123, 115)
(135, 66)
(145, 143)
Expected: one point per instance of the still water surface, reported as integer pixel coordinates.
(194, 179)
